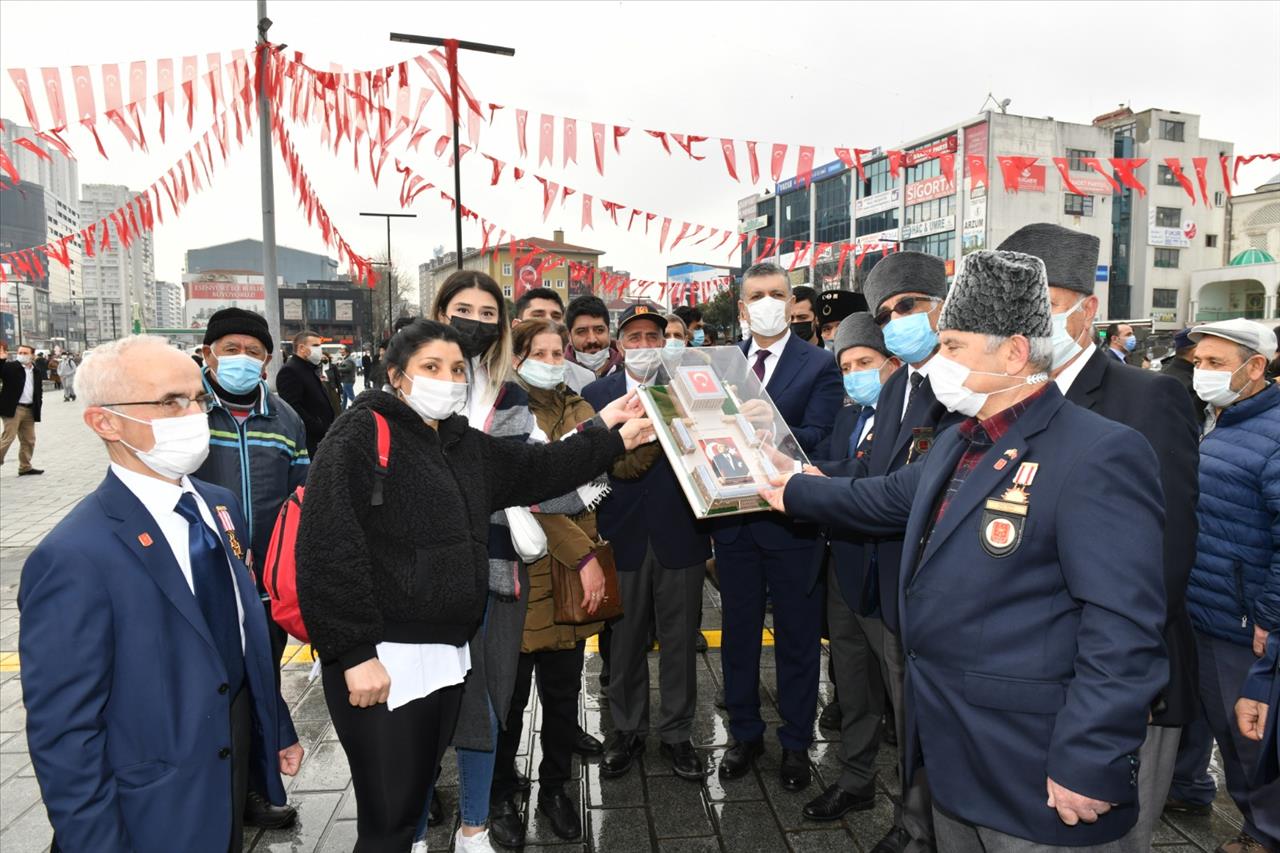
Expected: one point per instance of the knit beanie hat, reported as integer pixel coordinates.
(999, 293)
(905, 272)
(237, 321)
(1070, 257)
(859, 330)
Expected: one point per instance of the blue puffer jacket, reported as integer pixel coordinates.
(1235, 584)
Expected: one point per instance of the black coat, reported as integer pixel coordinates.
(13, 378)
(415, 569)
(855, 574)
(1158, 407)
(1183, 371)
(299, 385)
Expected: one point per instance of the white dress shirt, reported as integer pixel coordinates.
(923, 370)
(1068, 375)
(160, 497)
(771, 363)
(28, 386)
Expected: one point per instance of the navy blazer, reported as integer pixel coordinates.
(808, 391)
(1158, 407)
(1263, 685)
(890, 451)
(650, 510)
(1043, 661)
(125, 719)
(846, 548)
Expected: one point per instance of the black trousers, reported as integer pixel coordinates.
(278, 638)
(559, 683)
(394, 756)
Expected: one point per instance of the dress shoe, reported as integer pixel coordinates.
(894, 841)
(478, 843)
(621, 751)
(258, 812)
(557, 808)
(1242, 843)
(796, 772)
(720, 703)
(506, 826)
(700, 642)
(835, 802)
(829, 719)
(685, 760)
(435, 812)
(739, 757)
(31, 472)
(585, 745)
(1187, 809)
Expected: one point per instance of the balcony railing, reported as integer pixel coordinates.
(1213, 316)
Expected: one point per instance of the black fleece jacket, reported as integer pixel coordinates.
(415, 569)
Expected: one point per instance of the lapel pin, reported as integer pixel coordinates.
(145, 539)
(1001, 463)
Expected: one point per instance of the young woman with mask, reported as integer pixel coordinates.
(473, 305)
(393, 568)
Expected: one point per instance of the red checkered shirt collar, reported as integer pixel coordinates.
(993, 429)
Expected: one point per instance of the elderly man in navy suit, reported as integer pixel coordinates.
(758, 554)
(146, 668)
(1031, 663)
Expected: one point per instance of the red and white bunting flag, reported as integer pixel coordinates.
(597, 142)
(755, 164)
(20, 82)
(570, 141)
(586, 212)
(522, 120)
(1125, 168)
(53, 90)
(546, 135)
(776, 160)
(1200, 165)
(730, 157)
(804, 165)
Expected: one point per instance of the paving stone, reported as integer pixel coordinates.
(678, 807)
(314, 812)
(325, 770)
(16, 796)
(748, 828)
(340, 837)
(627, 790)
(868, 827)
(689, 845)
(11, 763)
(26, 833)
(619, 830)
(820, 841)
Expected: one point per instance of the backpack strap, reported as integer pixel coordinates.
(383, 432)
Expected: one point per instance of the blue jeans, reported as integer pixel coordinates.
(348, 393)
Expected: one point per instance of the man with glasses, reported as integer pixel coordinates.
(146, 668)
(258, 449)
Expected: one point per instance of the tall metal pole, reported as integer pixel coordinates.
(115, 330)
(391, 295)
(270, 288)
(17, 291)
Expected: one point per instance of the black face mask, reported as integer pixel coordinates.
(803, 330)
(476, 336)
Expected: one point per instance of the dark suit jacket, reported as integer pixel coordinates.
(300, 387)
(1158, 407)
(1043, 661)
(649, 511)
(13, 378)
(1183, 371)
(807, 390)
(845, 549)
(890, 450)
(127, 740)
(1263, 685)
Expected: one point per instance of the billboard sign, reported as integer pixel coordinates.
(292, 309)
(878, 203)
(932, 151)
(1169, 238)
(929, 189)
(824, 171)
(754, 223)
(1090, 184)
(932, 226)
(342, 310)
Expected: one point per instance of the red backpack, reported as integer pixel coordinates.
(280, 571)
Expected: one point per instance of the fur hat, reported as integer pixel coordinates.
(999, 293)
(1070, 257)
(237, 321)
(835, 305)
(859, 330)
(905, 272)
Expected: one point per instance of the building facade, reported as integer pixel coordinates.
(293, 266)
(119, 282)
(692, 274)
(338, 311)
(168, 305)
(1248, 283)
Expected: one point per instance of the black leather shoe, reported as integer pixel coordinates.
(435, 812)
(585, 745)
(720, 703)
(739, 757)
(520, 780)
(258, 812)
(621, 751)
(700, 642)
(1186, 808)
(829, 719)
(31, 472)
(894, 841)
(796, 772)
(505, 824)
(835, 802)
(557, 808)
(685, 760)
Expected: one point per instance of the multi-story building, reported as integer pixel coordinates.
(41, 208)
(500, 265)
(923, 210)
(1246, 280)
(119, 281)
(692, 274)
(168, 305)
(338, 311)
(294, 266)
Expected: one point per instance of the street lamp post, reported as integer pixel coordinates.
(391, 284)
(452, 46)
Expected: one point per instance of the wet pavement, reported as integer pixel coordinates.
(649, 809)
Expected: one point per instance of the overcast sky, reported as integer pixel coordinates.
(849, 74)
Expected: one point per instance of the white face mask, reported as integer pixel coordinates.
(593, 360)
(768, 316)
(24, 360)
(643, 363)
(182, 444)
(947, 378)
(540, 374)
(315, 355)
(436, 399)
(1214, 386)
(1065, 347)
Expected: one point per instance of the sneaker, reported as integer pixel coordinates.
(419, 847)
(474, 844)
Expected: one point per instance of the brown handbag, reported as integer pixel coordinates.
(566, 589)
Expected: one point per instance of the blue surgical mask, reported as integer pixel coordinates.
(911, 338)
(1129, 343)
(673, 346)
(239, 374)
(863, 386)
(699, 337)
(539, 374)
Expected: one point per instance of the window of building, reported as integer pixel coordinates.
(506, 269)
(877, 222)
(1169, 217)
(795, 216)
(506, 289)
(1077, 205)
(1167, 259)
(1164, 176)
(319, 309)
(1219, 199)
(877, 178)
(834, 206)
(546, 282)
(1164, 298)
(1211, 241)
(939, 245)
(1172, 130)
(1076, 158)
(920, 171)
(926, 211)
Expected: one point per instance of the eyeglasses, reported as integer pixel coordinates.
(173, 405)
(904, 306)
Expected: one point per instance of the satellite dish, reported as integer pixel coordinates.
(438, 252)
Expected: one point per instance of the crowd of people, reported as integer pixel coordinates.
(1049, 579)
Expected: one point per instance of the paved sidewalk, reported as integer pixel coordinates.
(650, 809)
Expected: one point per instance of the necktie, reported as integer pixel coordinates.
(215, 592)
(758, 367)
(855, 437)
